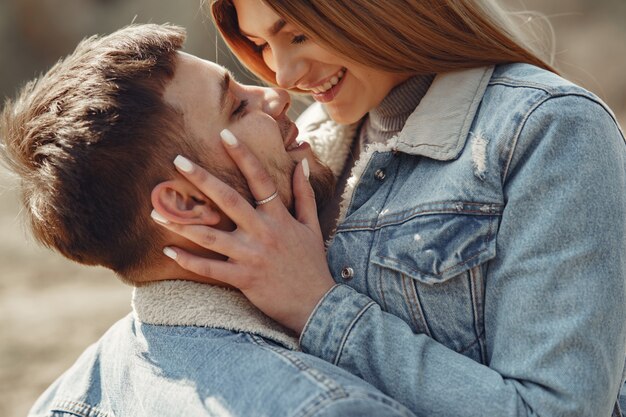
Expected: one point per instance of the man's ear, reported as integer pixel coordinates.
(180, 202)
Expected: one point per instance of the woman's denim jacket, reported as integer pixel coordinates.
(480, 256)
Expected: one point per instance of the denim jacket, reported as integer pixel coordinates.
(480, 255)
(195, 350)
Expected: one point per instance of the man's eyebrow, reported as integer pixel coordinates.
(224, 87)
(274, 29)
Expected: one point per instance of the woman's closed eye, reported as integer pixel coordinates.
(296, 40)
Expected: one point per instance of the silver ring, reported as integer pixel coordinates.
(267, 200)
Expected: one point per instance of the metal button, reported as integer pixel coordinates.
(347, 273)
(380, 175)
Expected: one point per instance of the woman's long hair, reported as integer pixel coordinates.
(399, 36)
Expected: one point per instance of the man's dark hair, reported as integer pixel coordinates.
(90, 139)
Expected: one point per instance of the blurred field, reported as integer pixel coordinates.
(51, 309)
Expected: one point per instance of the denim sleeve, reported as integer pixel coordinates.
(555, 296)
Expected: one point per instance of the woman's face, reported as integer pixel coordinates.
(348, 89)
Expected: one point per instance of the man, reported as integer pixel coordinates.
(87, 139)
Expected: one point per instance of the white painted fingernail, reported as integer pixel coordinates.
(228, 137)
(183, 163)
(157, 217)
(305, 168)
(170, 253)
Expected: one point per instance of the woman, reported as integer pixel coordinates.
(477, 264)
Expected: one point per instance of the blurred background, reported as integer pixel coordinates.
(50, 308)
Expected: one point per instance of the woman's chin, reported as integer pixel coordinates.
(343, 114)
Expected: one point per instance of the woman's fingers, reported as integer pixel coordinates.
(306, 207)
(259, 180)
(215, 240)
(226, 272)
(227, 199)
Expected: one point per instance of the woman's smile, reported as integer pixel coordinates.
(330, 89)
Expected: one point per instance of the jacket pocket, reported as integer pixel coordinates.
(438, 258)
(435, 247)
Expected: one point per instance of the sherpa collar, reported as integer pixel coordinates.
(186, 303)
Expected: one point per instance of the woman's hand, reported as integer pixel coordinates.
(276, 260)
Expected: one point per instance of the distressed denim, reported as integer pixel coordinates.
(142, 370)
(480, 257)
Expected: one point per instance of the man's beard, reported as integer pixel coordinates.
(322, 181)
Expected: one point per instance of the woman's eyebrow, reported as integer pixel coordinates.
(274, 29)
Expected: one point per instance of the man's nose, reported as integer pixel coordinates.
(276, 102)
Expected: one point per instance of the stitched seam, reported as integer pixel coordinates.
(324, 401)
(334, 390)
(317, 306)
(490, 231)
(77, 408)
(381, 289)
(508, 82)
(478, 327)
(319, 402)
(329, 384)
(418, 307)
(370, 224)
(462, 351)
(421, 312)
(376, 239)
(408, 298)
(415, 212)
(532, 110)
(417, 271)
(344, 338)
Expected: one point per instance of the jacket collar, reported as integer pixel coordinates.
(439, 126)
(186, 303)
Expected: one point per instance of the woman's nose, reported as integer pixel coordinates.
(290, 68)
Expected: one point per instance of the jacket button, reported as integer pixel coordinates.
(347, 273)
(380, 175)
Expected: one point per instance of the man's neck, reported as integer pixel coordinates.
(168, 270)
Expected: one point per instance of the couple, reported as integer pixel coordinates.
(89, 140)
(477, 264)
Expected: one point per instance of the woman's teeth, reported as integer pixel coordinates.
(329, 84)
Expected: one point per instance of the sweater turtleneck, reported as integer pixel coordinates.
(388, 119)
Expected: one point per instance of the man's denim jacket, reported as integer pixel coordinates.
(194, 350)
(480, 256)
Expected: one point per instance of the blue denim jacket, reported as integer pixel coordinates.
(193, 350)
(480, 256)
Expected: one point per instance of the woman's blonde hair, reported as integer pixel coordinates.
(400, 36)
